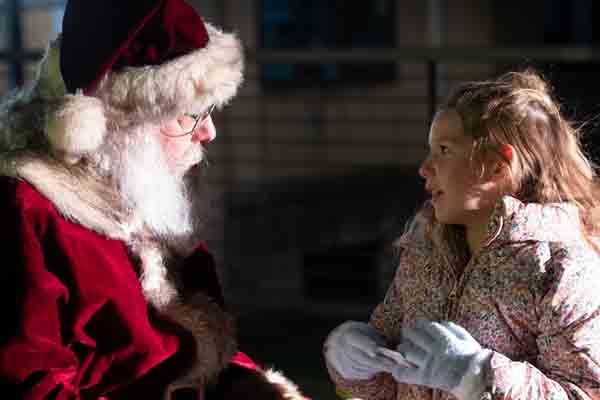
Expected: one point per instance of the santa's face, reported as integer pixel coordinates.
(154, 175)
(181, 137)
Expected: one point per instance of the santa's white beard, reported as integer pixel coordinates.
(169, 204)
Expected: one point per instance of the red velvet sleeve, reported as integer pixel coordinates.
(33, 360)
(75, 320)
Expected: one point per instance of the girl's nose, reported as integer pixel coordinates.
(425, 168)
(204, 132)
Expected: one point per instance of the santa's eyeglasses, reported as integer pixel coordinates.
(199, 119)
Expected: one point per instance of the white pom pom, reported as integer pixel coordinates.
(78, 126)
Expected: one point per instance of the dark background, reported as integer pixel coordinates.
(314, 168)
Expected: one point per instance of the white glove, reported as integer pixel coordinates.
(446, 357)
(351, 349)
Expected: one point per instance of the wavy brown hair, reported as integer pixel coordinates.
(518, 108)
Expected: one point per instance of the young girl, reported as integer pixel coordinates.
(497, 294)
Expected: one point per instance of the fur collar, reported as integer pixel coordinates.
(79, 195)
(84, 197)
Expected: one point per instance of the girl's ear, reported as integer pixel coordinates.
(508, 152)
(504, 165)
(506, 159)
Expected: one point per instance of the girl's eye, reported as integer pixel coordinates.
(443, 149)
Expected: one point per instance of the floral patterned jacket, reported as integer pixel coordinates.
(531, 294)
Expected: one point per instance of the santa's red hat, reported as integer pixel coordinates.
(128, 62)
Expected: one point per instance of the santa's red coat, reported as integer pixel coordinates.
(76, 324)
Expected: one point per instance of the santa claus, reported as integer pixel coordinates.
(108, 290)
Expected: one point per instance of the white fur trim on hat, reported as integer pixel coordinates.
(188, 83)
(78, 126)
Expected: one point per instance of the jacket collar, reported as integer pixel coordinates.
(511, 221)
(515, 221)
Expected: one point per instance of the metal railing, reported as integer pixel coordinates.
(432, 57)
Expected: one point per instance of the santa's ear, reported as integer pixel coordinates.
(76, 127)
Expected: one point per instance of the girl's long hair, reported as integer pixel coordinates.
(518, 108)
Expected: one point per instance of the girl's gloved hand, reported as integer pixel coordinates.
(446, 357)
(351, 349)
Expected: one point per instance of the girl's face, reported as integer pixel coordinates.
(459, 195)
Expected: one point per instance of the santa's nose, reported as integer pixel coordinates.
(204, 132)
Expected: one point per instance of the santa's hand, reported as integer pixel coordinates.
(446, 357)
(351, 349)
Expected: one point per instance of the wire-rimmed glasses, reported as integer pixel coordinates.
(199, 119)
